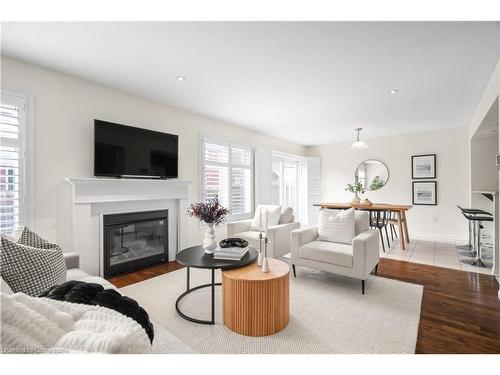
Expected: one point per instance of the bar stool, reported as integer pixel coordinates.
(471, 211)
(477, 249)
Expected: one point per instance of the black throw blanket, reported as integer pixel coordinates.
(95, 294)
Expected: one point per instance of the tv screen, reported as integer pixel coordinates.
(126, 151)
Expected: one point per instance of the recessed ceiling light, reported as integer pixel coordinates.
(180, 78)
(394, 92)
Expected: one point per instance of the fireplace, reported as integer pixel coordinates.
(134, 240)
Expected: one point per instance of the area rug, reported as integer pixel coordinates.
(328, 314)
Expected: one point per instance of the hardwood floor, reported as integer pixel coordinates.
(460, 310)
(144, 274)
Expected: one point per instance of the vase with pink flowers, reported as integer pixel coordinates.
(212, 213)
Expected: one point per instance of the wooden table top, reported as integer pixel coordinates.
(252, 272)
(374, 206)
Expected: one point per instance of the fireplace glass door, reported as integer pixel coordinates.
(134, 240)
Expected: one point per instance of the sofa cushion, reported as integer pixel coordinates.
(273, 216)
(328, 252)
(286, 215)
(77, 274)
(30, 270)
(336, 225)
(29, 238)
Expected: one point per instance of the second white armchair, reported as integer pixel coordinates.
(357, 259)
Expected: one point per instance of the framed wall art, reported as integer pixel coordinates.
(423, 166)
(424, 193)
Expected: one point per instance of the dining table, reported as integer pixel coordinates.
(398, 209)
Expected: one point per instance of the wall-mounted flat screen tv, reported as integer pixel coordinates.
(126, 151)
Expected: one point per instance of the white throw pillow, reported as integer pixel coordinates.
(286, 215)
(336, 226)
(273, 216)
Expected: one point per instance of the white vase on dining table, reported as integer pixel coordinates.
(356, 198)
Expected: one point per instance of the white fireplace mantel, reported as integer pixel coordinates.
(96, 190)
(92, 198)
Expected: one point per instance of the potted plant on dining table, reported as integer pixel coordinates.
(212, 213)
(356, 188)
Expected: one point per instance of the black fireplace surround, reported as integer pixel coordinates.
(134, 240)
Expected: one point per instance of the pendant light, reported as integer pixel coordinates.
(358, 144)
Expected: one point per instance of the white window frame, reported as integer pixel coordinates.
(27, 157)
(207, 137)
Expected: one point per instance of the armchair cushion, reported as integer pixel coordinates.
(238, 227)
(361, 221)
(336, 226)
(286, 215)
(273, 216)
(328, 252)
(249, 235)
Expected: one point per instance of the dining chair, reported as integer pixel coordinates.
(393, 221)
(379, 220)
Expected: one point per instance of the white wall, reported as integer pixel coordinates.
(484, 175)
(490, 94)
(483, 165)
(338, 163)
(65, 109)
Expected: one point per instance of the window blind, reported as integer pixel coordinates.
(12, 118)
(313, 189)
(227, 172)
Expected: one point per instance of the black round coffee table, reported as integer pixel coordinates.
(195, 257)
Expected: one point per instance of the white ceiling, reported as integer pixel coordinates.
(308, 82)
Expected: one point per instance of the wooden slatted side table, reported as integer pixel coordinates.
(256, 303)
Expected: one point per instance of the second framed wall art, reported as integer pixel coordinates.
(424, 193)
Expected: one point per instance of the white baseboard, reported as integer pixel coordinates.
(437, 237)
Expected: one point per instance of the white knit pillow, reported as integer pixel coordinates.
(31, 270)
(336, 226)
(273, 216)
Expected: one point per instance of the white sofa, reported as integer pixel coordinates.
(357, 260)
(278, 235)
(164, 342)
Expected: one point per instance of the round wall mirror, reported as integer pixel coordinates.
(373, 174)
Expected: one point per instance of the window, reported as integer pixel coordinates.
(285, 181)
(227, 170)
(14, 169)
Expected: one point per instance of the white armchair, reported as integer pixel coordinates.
(357, 260)
(278, 236)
